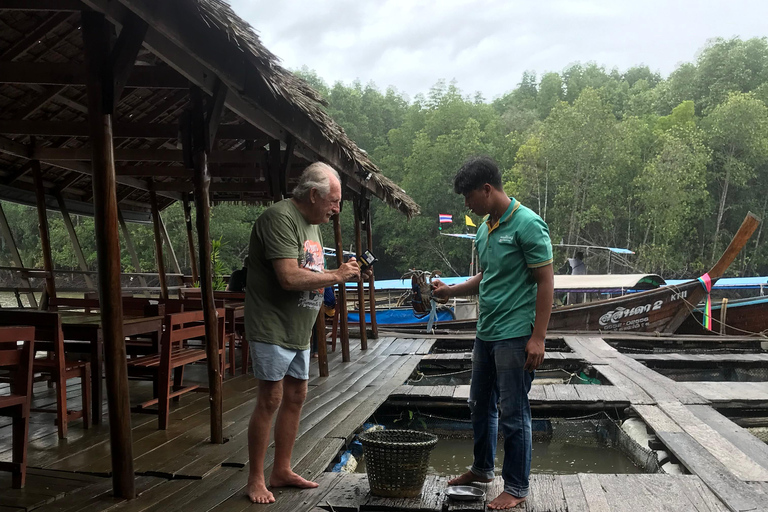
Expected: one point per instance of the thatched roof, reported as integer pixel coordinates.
(43, 112)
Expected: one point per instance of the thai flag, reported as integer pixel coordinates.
(445, 218)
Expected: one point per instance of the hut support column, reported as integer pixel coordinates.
(158, 244)
(75, 242)
(190, 239)
(201, 132)
(322, 344)
(360, 289)
(371, 280)
(131, 249)
(167, 239)
(100, 85)
(42, 224)
(5, 228)
(342, 303)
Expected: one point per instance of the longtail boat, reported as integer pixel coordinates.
(660, 310)
(740, 317)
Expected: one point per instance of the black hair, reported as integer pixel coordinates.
(476, 172)
(579, 255)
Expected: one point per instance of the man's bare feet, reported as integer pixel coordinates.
(290, 479)
(258, 493)
(468, 478)
(505, 501)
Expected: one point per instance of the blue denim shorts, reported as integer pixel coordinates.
(273, 362)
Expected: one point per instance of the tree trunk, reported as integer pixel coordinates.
(720, 212)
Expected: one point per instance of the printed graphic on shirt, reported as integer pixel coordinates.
(312, 260)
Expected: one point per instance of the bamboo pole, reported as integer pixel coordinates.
(190, 239)
(342, 303)
(360, 289)
(131, 249)
(42, 225)
(96, 42)
(371, 281)
(199, 151)
(5, 228)
(167, 240)
(73, 238)
(158, 244)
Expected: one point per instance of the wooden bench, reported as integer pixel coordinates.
(49, 337)
(16, 405)
(173, 356)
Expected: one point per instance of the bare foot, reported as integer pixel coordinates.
(290, 479)
(258, 493)
(468, 478)
(504, 501)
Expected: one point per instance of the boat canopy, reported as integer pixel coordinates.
(731, 283)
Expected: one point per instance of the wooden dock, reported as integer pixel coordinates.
(178, 470)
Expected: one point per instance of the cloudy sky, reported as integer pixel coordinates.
(485, 45)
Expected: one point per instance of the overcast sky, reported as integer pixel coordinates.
(486, 45)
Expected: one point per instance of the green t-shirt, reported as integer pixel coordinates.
(508, 250)
(272, 314)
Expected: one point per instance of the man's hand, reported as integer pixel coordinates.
(366, 274)
(440, 290)
(535, 350)
(349, 271)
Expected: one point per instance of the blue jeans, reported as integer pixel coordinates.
(498, 395)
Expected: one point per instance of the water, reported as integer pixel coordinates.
(462, 378)
(715, 374)
(454, 456)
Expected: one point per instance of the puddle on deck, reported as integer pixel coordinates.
(454, 456)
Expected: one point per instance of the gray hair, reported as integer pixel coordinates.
(317, 176)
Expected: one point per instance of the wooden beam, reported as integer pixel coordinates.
(199, 142)
(96, 41)
(322, 343)
(41, 5)
(253, 172)
(188, 186)
(39, 32)
(124, 54)
(145, 155)
(40, 102)
(167, 240)
(360, 288)
(274, 180)
(342, 303)
(121, 130)
(18, 173)
(150, 77)
(42, 225)
(190, 238)
(215, 110)
(128, 239)
(73, 238)
(158, 244)
(5, 229)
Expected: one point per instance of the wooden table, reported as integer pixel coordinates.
(86, 328)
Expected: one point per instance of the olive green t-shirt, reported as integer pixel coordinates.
(272, 314)
(508, 251)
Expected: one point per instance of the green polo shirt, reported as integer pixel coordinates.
(508, 251)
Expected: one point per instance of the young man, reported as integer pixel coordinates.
(515, 286)
(286, 277)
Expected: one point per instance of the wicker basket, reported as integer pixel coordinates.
(396, 461)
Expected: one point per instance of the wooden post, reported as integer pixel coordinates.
(190, 239)
(342, 303)
(100, 107)
(131, 249)
(322, 344)
(200, 146)
(171, 252)
(42, 225)
(360, 289)
(371, 280)
(158, 244)
(5, 228)
(75, 242)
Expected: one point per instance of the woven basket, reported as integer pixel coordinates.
(396, 461)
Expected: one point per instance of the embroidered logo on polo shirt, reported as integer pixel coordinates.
(506, 239)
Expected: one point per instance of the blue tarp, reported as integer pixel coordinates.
(730, 282)
(398, 316)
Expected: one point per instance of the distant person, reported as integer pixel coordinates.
(515, 286)
(286, 277)
(238, 279)
(576, 264)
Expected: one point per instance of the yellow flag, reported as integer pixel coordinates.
(469, 221)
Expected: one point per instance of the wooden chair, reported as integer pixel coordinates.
(49, 337)
(17, 404)
(173, 356)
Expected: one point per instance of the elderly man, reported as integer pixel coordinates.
(286, 277)
(515, 287)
